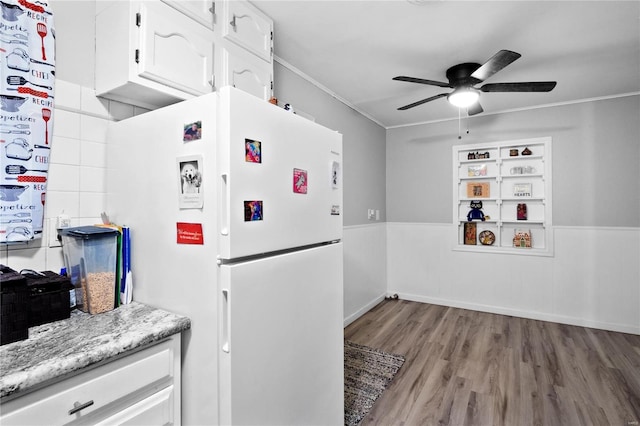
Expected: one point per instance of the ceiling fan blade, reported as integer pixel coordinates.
(424, 101)
(495, 64)
(475, 109)
(421, 81)
(531, 86)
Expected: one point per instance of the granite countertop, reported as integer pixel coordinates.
(64, 347)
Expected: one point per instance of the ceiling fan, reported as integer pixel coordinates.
(463, 77)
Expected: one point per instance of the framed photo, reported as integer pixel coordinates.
(522, 190)
(470, 236)
(477, 170)
(192, 131)
(190, 182)
(252, 151)
(300, 181)
(478, 189)
(253, 210)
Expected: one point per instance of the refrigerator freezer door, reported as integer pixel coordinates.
(280, 165)
(281, 339)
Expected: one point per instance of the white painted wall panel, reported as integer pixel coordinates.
(593, 280)
(365, 272)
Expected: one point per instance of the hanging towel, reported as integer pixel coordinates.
(27, 62)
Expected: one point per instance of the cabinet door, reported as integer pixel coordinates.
(173, 51)
(248, 27)
(246, 72)
(202, 11)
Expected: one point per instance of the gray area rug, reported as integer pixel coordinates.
(367, 373)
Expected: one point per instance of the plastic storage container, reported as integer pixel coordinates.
(90, 255)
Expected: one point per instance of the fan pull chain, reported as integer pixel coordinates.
(459, 137)
(467, 121)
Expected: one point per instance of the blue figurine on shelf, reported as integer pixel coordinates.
(476, 211)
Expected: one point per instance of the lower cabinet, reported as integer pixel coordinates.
(141, 388)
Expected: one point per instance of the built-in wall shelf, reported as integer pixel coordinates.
(511, 180)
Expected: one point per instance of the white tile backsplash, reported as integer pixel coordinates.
(62, 202)
(67, 95)
(63, 177)
(93, 179)
(27, 258)
(93, 129)
(93, 154)
(77, 169)
(65, 151)
(66, 124)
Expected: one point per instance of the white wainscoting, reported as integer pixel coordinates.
(592, 280)
(365, 273)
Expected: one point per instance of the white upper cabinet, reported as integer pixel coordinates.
(202, 11)
(151, 55)
(172, 52)
(246, 72)
(247, 26)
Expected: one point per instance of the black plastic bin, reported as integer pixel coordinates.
(14, 312)
(48, 296)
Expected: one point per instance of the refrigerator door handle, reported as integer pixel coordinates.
(225, 320)
(224, 205)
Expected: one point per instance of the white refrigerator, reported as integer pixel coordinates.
(234, 206)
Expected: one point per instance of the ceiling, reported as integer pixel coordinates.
(355, 47)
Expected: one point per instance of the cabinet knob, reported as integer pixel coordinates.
(233, 21)
(77, 407)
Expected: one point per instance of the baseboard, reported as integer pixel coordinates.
(366, 308)
(623, 328)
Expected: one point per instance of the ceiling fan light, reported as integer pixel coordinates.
(463, 97)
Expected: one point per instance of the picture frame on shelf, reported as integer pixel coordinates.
(477, 170)
(522, 190)
(478, 189)
(470, 233)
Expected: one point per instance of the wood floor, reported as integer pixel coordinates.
(472, 368)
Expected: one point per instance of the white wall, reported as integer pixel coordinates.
(592, 279)
(365, 269)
